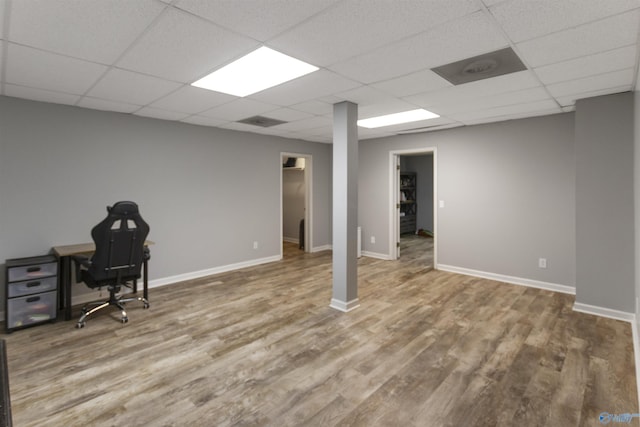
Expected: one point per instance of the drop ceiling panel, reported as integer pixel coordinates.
(157, 113)
(459, 39)
(203, 121)
(314, 107)
(106, 27)
(288, 114)
(103, 104)
(589, 84)
(607, 34)
(44, 70)
(504, 112)
(500, 100)
(321, 123)
(260, 21)
(40, 94)
(478, 89)
(365, 95)
(352, 27)
(571, 99)
(395, 106)
(133, 88)
(526, 19)
(315, 85)
(183, 48)
(192, 100)
(598, 63)
(411, 84)
(239, 109)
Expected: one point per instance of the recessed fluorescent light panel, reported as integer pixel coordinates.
(259, 70)
(397, 118)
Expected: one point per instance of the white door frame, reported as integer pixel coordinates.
(394, 200)
(308, 198)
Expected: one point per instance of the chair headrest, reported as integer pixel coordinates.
(123, 208)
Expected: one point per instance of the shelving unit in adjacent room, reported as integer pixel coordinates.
(408, 205)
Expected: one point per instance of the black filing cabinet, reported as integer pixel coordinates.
(32, 291)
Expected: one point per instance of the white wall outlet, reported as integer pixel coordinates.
(441, 203)
(373, 239)
(542, 263)
(255, 245)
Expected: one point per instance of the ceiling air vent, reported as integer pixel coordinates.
(503, 61)
(261, 121)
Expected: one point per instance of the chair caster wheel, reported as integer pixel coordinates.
(146, 305)
(79, 325)
(125, 319)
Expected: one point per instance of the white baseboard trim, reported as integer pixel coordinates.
(291, 240)
(509, 279)
(636, 353)
(321, 248)
(604, 312)
(344, 306)
(210, 271)
(376, 255)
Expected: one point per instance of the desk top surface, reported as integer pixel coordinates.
(81, 248)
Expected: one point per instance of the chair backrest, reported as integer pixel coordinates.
(119, 240)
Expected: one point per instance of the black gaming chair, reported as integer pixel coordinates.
(118, 259)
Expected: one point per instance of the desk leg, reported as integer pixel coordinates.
(65, 286)
(145, 288)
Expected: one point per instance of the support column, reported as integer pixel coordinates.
(345, 206)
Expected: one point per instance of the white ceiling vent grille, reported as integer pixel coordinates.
(503, 61)
(261, 121)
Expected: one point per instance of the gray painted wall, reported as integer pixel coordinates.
(292, 202)
(636, 189)
(423, 167)
(207, 193)
(509, 193)
(605, 202)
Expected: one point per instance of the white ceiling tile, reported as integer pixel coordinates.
(481, 88)
(190, 99)
(318, 122)
(239, 126)
(463, 38)
(607, 34)
(570, 100)
(106, 105)
(354, 26)
(45, 70)
(492, 101)
(507, 111)
(314, 107)
(589, 84)
(288, 114)
(183, 48)
(203, 121)
(513, 116)
(239, 109)
(251, 18)
(94, 30)
(40, 94)
(418, 82)
(526, 19)
(365, 95)
(414, 125)
(315, 85)
(598, 63)
(133, 88)
(157, 113)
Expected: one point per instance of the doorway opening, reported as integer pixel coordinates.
(295, 204)
(413, 225)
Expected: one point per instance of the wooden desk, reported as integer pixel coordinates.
(64, 254)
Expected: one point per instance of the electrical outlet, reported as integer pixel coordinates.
(542, 263)
(255, 245)
(373, 239)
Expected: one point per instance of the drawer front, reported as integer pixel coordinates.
(31, 309)
(35, 286)
(34, 271)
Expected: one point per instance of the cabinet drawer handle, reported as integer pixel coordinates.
(33, 269)
(33, 284)
(33, 299)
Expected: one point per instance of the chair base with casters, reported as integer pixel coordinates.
(114, 300)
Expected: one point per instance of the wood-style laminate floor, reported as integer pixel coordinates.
(260, 346)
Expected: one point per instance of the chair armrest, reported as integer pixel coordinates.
(80, 261)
